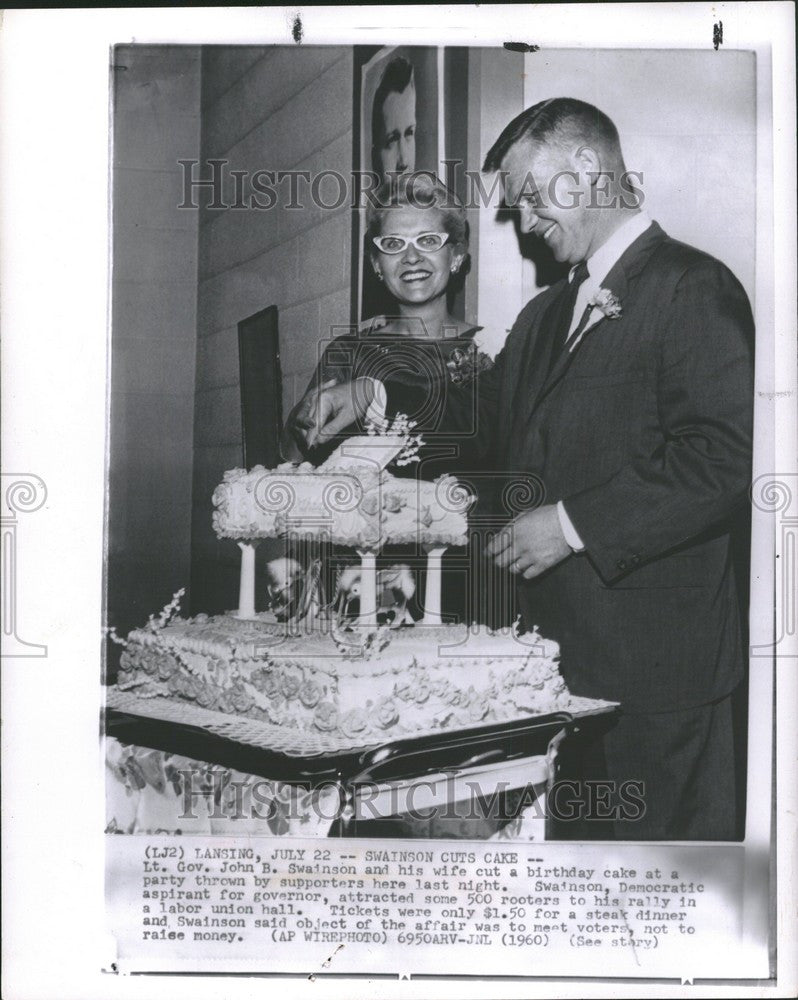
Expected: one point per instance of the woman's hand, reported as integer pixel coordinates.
(331, 408)
(292, 438)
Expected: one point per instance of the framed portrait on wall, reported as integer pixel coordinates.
(400, 127)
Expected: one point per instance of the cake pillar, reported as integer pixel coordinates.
(246, 586)
(432, 594)
(368, 588)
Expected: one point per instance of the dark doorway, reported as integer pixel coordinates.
(261, 388)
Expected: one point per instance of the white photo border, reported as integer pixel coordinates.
(55, 223)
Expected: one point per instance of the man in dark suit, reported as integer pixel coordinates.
(627, 388)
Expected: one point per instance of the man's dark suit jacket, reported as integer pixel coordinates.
(645, 432)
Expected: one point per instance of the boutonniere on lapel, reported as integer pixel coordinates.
(608, 303)
(465, 364)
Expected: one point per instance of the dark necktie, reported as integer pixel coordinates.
(566, 312)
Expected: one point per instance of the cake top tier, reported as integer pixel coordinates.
(349, 500)
(360, 505)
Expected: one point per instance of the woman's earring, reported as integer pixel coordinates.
(379, 274)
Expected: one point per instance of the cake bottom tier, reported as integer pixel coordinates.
(425, 678)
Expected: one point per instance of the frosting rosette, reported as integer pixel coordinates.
(234, 475)
(224, 703)
(175, 684)
(128, 663)
(403, 690)
(456, 697)
(393, 502)
(386, 713)
(370, 504)
(440, 687)
(421, 691)
(240, 699)
(354, 721)
(478, 706)
(205, 695)
(310, 693)
(326, 717)
(289, 686)
(148, 661)
(220, 670)
(183, 685)
(222, 493)
(267, 682)
(166, 666)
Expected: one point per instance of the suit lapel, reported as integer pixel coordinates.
(616, 283)
(534, 361)
(630, 263)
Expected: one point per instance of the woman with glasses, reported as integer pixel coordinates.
(418, 243)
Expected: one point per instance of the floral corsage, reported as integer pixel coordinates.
(608, 302)
(465, 364)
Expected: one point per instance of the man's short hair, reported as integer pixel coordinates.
(418, 190)
(398, 76)
(560, 121)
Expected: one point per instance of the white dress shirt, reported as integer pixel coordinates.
(599, 266)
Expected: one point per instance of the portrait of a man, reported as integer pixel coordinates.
(393, 124)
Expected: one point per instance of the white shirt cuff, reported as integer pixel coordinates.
(376, 409)
(568, 529)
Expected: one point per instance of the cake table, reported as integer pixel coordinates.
(242, 783)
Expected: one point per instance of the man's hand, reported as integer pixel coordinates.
(531, 543)
(330, 408)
